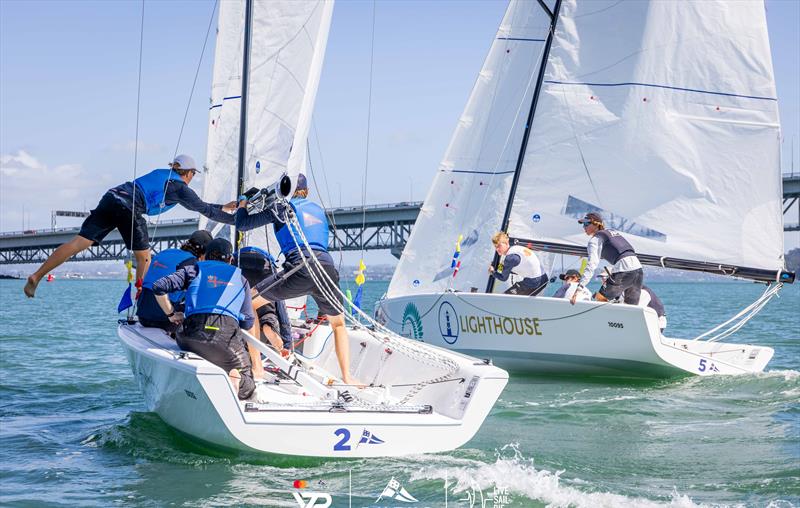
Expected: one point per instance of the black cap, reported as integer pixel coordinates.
(219, 246)
(201, 238)
(569, 273)
(591, 218)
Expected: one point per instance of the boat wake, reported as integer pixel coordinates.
(514, 476)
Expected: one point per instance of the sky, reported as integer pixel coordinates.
(68, 96)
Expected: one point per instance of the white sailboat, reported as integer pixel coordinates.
(421, 398)
(662, 116)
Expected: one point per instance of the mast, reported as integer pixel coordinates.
(521, 157)
(248, 22)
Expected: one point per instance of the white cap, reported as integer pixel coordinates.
(184, 162)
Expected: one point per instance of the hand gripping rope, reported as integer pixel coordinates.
(378, 332)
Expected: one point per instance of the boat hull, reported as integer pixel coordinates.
(549, 335)
(195, 397)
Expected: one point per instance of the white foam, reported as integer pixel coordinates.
(518, 477)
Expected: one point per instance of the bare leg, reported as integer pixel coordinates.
(142, 262)
(342, 348)
(255, 354)
(272, 337)
(600, 298)
(235, 378)
(61, 254)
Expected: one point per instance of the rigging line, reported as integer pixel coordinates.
(186, 113)
(136, 147)
(327, 186)
(369, 121)
(321, 200)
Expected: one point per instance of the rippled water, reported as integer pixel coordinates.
(74, 430)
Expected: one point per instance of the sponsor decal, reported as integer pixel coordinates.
(577, 208)
(500, 325)
(395, 492)
(536, 217)
(310, 220)
(448, 322)
(416, 283)
(412, 323)
(158, 264)
(343, 444)
(214, 281)
(258, 167)
(306, 499)
(498, 497)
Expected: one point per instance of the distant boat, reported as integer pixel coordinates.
(50, 277)
(660, 116)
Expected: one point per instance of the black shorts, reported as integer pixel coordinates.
(268, 316)
(532, 288)
(112, 214)
(627, 283)
(300, 283)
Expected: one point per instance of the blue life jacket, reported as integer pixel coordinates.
(152, 186)
(217, 289)
(312, 220)
(266, 255)
(165, 263)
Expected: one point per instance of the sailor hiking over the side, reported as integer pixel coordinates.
(626, 275)
(122, 207)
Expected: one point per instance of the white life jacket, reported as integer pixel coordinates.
(529, 266)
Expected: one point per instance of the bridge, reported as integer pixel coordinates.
(385, 226)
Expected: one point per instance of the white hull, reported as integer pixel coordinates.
(196, 398)
(548, 335)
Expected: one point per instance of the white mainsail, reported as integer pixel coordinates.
(470, 190)
(288, 40)
(662, 116)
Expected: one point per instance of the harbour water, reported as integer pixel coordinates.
(74, 430)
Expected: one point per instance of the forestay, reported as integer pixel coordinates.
(471, 188)
(662, 116)
(288, 40)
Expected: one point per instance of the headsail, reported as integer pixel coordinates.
(288, 40)
(663, 117)
(470, 189)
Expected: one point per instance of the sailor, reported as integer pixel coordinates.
(217, 309)
(570, 286)
(122, 207)
(626, 275)
(521, 263)
(273, 320)
(648, 298)
(164, 263)
(298, 280)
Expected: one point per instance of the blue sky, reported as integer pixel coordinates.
(68, 88)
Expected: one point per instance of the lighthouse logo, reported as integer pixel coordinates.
(448, 323)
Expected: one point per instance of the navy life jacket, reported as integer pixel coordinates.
(312, 220)
(615, 247)
(217, 289)
(165, 263)
(255, 258)
(152, 186)
(655, 302)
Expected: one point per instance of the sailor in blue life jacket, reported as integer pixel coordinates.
(122, 207)
(521, 263)
(281, 286)
(218, 307)
(275, 329)
(625, 276)
(164, 263)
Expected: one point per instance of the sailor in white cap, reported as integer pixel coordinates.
(122, 208)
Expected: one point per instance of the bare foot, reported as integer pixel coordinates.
(235, 378)
(30, 286)
(349, 380)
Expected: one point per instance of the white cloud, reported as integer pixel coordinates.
(28, 184)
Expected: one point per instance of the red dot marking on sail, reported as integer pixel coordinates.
(447, 205)
(644, 100)
(717, 108)
(481, 183)
(452, 182)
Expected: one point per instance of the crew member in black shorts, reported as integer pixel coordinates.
(121, 208)
(280, 286)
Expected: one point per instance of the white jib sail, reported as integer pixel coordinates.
(288, 40)
(662, 116)
(471, 187)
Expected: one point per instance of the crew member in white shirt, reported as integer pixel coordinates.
(570, 287)
(521, 264)
(626, 274)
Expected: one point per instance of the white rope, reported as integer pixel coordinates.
(739, 320)
(400, 344)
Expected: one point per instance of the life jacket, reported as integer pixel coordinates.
(152, 186)
(312, 220)
(165, 263)
(255, 258)
(217, 289)
(615, 246)
(529, 266)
